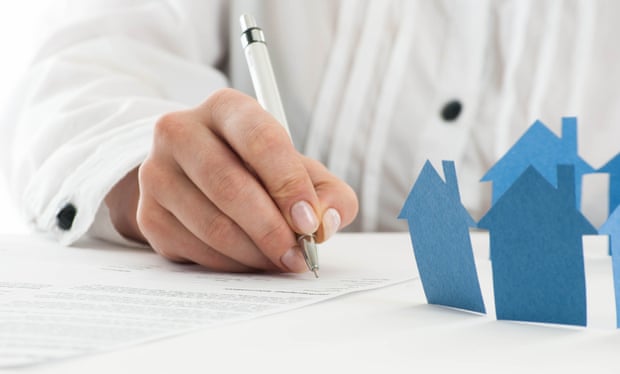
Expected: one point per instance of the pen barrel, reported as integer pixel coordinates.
(264, 81)
(266, 88)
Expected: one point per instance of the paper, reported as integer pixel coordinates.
(58, 302)
(542, 149)
(536, 250)
(439, 230)
(611, 227)
(612, 167)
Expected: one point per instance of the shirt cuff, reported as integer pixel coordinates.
(69, 213)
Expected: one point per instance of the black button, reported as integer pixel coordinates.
(451, 110)
(64, 218)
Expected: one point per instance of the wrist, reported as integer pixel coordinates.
(122, 202)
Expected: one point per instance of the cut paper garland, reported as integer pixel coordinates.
(535, 229)
(612, 228)
(613, 169)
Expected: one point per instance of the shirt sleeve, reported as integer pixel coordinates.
(83, 115)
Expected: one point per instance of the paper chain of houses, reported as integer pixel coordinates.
(535, 229)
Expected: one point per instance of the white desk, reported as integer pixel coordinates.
(385, 331)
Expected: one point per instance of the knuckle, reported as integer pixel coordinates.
(264, 138)
(169, 128)
(153, 178)
(147, 171)
(146, 222)
(221, 99)
(227, 186)
(153, 230)
(151, 224)
(219, 231)
(275, 236)
(288, 186)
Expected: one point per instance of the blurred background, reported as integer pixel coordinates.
(19, 21)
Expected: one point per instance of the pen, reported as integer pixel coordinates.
(267, 94)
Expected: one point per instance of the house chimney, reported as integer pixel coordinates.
(569, 134)
(566, 183)
(449, 173)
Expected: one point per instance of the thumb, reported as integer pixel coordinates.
(338, 202)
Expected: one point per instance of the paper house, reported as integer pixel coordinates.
(611, 227)
(613, 169)
(541, 148)
(439, 228)
(537, 256)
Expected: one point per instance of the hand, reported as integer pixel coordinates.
(224, 187)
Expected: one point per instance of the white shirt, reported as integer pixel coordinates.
(363, 84)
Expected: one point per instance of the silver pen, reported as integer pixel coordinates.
(267, 94)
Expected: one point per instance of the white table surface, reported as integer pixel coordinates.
(385, 331)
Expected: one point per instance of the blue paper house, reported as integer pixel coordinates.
(439, 229)
(612, 167)
(541, 148)
(611, 227)
(536, 240)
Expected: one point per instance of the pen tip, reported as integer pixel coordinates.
(316, 273)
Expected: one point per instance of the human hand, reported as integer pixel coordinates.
(224, 187)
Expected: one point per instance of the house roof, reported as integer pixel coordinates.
(541, 148)
(430, 191)
(612, 166)
(531, 195)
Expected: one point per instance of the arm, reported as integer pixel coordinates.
(217, 182)
(86, 109)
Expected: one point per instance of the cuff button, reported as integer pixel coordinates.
(65, 217)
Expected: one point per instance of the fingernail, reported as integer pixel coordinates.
(294, 260)
(331, 223)
(304, 218)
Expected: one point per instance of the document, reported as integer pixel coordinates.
(58, 302)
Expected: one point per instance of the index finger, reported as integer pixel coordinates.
(263, 143)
